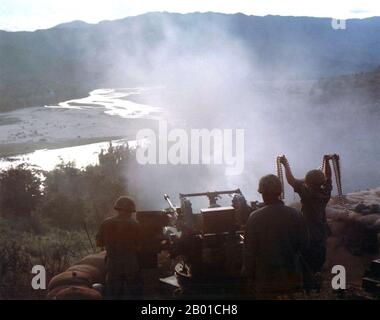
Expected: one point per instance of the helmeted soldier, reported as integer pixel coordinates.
(275, 237)
(315, 193)
(121, 237)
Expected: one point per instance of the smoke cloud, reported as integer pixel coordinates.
(211, 79)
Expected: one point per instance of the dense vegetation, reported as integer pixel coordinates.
(50, 218)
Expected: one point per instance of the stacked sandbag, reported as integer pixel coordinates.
(337, 214)
(77, 281)
(76, 293)
(367, 197)
(360, 213)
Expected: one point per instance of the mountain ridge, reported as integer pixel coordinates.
(67, 61)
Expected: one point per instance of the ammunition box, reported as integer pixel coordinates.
(218, 220)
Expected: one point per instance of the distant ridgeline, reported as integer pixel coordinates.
(67, 61)
(359, 89)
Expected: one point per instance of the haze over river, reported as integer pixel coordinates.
(273, 122)
(105, 115)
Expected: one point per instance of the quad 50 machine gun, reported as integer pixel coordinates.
(210, 244)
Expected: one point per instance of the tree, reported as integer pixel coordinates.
(62, 211)
(106, 181)
(116, 160)
(20, 190)
(65, 179)
(73, 195)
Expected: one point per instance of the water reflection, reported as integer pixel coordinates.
(114, 102)
(47, 159)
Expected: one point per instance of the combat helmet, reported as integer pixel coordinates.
(125, 203)
(270, 184)
(315, 178)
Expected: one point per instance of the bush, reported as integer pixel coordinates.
(20, 191)
(20, 251)
(61, 211)
(44, 216)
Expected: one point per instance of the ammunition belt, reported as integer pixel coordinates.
(280, 175)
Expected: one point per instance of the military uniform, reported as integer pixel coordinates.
(121, 236)
(274, 240)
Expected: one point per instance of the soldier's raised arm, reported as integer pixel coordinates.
(288, 172)
(327, 167)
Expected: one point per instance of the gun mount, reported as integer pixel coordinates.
(206, 245)
(212, 196)
(211, 243)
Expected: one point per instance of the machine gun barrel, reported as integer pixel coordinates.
(174, 210)
(185, 195)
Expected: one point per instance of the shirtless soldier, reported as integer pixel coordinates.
(315, 193)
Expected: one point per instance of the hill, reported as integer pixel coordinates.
(67, 61)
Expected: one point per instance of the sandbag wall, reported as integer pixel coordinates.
(76, 282)
(360, 213)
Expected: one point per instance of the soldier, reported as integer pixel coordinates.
(315, 193)
(121, 237)
(274, 240)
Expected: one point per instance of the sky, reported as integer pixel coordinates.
(29, 15)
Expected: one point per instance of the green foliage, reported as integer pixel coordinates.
(20, 251)
(115, 161)
(20, 191)
(65, 179)
(62, 211)
(15, 267)
(73, 196)
(106, 182)
(50, 218)
(57, 249)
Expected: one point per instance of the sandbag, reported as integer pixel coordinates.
(354, 216)
(95, 260)
(377, 225)
(336, 214)
(369, 221)
(52, 294)
(68, 278)
(96, 275)
(78, 293)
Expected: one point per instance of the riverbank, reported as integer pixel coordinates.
(14, 149)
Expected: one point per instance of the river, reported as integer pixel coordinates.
(104, 114)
